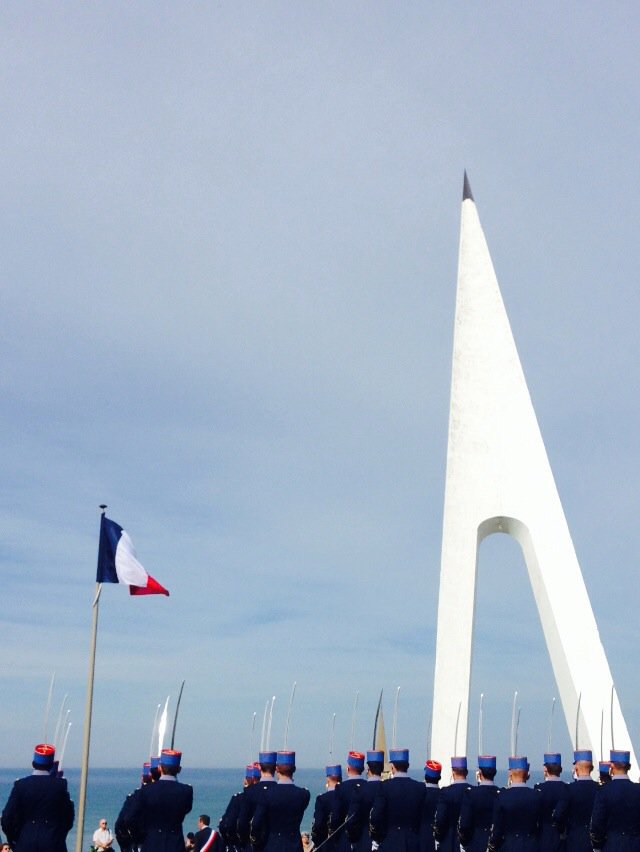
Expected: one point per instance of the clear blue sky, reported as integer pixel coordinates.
(229, 244)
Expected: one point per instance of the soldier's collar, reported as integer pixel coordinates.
(168, 778)
(40, 772)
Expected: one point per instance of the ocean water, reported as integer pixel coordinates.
(212, 789)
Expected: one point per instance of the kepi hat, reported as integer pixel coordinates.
(170, 757)
(355, 760)
(432, 769)
(44, 755)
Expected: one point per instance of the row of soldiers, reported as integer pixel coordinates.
(361, 814)
(355, 814)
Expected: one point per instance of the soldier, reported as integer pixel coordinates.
(552, 790)
(123, 828)
(445, 825)
(252, 794)
(39, 813)
(615, 821)
(397, 810)
(432, 777)
(476, 810)
(343, 798)
(572, 814)
(517, 813)
(158, 809)
(357, 826)
(279, 812)
(320, 825)
(228, 825)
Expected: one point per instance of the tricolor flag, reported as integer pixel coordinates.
(117, 562)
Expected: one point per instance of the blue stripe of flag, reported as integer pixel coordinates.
(110, 533)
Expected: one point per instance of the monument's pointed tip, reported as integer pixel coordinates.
(466, 189)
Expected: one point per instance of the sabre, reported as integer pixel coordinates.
(353, 719)
(64, 745)
(175, 717)
(332, 731)
(577, 720)
(59, 722)
(153, 730)
(162, 727)
(63, 727)
(513, 723)
(270, 721)
(553, 707)
(48, 706)
(286, 727)
(480, 751)
(395, 718)
(517, 727)
(253, 727)
(455, 738)
(601, 734)
(613, 745)
(375, 722)
(264, 725)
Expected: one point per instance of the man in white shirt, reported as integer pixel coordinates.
(102, 837)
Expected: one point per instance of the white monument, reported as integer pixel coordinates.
(499, 480)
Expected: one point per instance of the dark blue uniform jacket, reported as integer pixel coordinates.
(447, 815)
(431, 796)
(248, 803)
(124, 829)
(320, 825)
(157, 813)
(38, 814)
(476, 817)
(359, 814)
(552, 793)
(276, 822)
(517, 817)
(396, 815)
(615, 822)
(340, 809)
(228, 825)
(572, 815)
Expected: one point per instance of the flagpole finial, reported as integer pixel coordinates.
(103, 507)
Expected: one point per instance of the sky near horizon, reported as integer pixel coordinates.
(229, 240)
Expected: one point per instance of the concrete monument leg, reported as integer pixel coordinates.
(499, 480)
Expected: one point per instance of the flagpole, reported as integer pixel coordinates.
(86, 738)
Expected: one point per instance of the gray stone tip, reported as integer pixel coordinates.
(466, 189)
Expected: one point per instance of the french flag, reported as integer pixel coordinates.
(117, 562)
